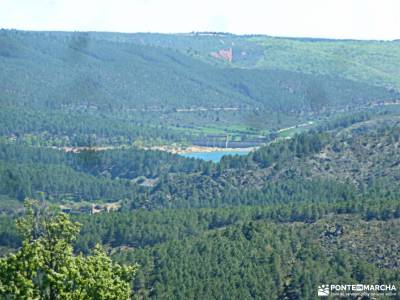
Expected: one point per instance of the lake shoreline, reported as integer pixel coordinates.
(197, 149)
(165, 148)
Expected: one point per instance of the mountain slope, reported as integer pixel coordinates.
(374, 62)
(268, 260)
(343, 164)
(64, 70)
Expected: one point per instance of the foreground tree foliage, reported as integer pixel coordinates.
(45, 267)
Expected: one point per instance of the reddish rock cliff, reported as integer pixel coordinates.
(225, 54)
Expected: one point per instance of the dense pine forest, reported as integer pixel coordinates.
(79, 89)
(84, 119)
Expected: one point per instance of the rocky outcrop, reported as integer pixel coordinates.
(225, 54)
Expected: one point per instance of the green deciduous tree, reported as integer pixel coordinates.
(45, 267)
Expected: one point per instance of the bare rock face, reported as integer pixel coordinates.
(225, 54)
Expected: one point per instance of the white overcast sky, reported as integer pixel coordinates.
(359, 19)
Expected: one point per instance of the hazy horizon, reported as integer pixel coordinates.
(199, 32)
(340, 19)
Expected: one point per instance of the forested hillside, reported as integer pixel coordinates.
(83, 117)
(281, 251)
(77, 70)
(86, 88)
(319, 165)
(374, 62)
(256, 259)
(341, 163)
(27, 171)
(336, 164)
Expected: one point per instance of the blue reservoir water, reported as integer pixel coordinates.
(213, 156)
